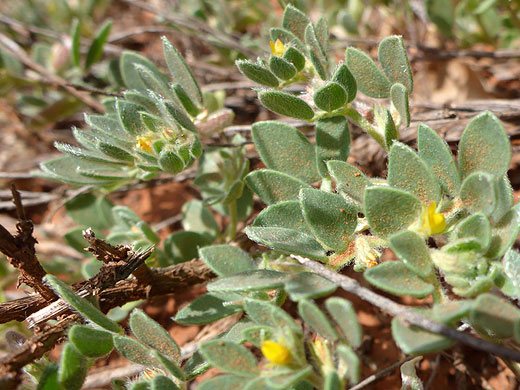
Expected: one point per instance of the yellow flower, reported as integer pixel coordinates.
(144, 143)
(276, 353)
(432, 222)
(277, 48)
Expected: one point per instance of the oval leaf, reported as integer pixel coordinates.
(369, 78)
(273, 186)
(284, 103)
(230, 357)
(412, 250)
(226, 260)
(394, 61)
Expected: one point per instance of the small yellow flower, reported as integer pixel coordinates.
(277, 48)
(144, 143)
(432, 222)
(276, 353)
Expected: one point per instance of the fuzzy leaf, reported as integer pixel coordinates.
(317, 54)
(437, 155)
(389, 210)
(493, 316)
(285, 380)
(412, 250)
(95, 51)
(287, 37)
(399, 97)
(230, 357)
(226, 260)
(441, 13)
(314, 317)
(369, 78)
(330, 218)
(390, 129)
(172, 367)
(351, 361)
(285, 215)
(343, 77)
(265, 313)
(307, 285)
(406, 170)
(345, 317)
(185, 100)
(134, 351)
(484, 146)
(394, 61)
(161, 382)
(84, 307)
(257, 73)
(91, 342)
(478, 227)
(295, 21)
(415, 341)
(130, 73)
(504, 198)
(504, 233)
(330, 97)
(223, 382)
(349, 179)
(284, 103)
(129, 117)
(332, 381)
(451, 312)
(73, 368)
(395, 278)
(273, 186)
(477, 193)
(282, 68)
(198, 218)
(184, 245)
(49, 377)
(287, 240)
(283, 148)
(254, 280)
(511, 262)
(296, 58)
(170, 161)
(204, 309)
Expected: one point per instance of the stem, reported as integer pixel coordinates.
(232, 228)
(326, 184)
(363, 122)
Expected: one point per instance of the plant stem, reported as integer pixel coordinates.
(363, 122)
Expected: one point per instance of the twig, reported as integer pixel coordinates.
(404, 313)
(379, 375)
(434, 372)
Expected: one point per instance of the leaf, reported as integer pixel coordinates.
(351, 361)
(285, 215)
(257, 73)
(170, 366)
(295, 21)
(184, 245)
(409, 376)
(64, 169)
(115, 152)
(170, 162)
(477, 226)
(287, 37)
(284, 103)
(195, 366)
(412, 250)
(223, 382)
(285, 380)
(332, 381)
(511, 263)
(75, 47)
(181, 72)
(185, 100)
(342, 312)
(161, 382)
(179, 115)
(330, 97)
(287, 240)
(49, 378)
(399, 97)
(389, 210)
(273, 186)
(84, 307)
(504, 198)
(154, 335)
(91, 211)
(199, 219)
(134, 351)
(73, 368)
(314, 317)
(369, 78)
(229, 357)
(294, 57)
(130, 74)
(394, 61)
(343, 77)
(416, 341)
(265, 313)
(227, 260)
(477, 193)
(441, 13)
(349, 179)
(317, 53)
(307, 285)
(141, 386)
(395, 278)
(406, 170)
(91, 342)
(254, 280)
(437, 155)
(283, 148)
(95, 51)
(330, 218)
(484, 146)
(504, 233)
(451, 311)
(204, 309)
(390, 129)
(493, 316)
(282, 68)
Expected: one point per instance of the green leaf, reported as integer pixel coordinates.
(412, 250)
(395, 278)
(287, 240)
(152, 334)
(259, 383)
(230, 357)
(265, 313)
(73, 368)
(349, 179)
(134, 351)
(351, 361)
(181, 72)
(285, 215)
(273, 186)
(91, 342)
(75, 47)
(129, 117)
(484, 146)
(493, 316)
(64, 169)
(91, 211)
(451, 312)
(204, 309)
(389, 210)
(476, 226)
(95, 51)
(115, 152)
(330, 97)
(223, 382)
(342, 312)
(399, 97)
(332, 381)
(179, 115)
(369, 78)
(390, 129)
(307, 285)
(294, 57)
(282, 68)
(170, 366)
(343, 77)
(195, 366)
(504, 233)
(185, 99)
(284, 103)
(184, 245)
(511, 263)
(257, 334)
(287, 37)
(317, 53)
(49, 378)
(199, 219)
(84, 307)
(330, 218)
(161, 382)
(406, 170)
(170, 161)
(254, 280)
(257, 73)
(140, 386)
(437, 155)
(409, 376)
(131, 75)
(283, 148)
(416, 341)
(504, 198)
(226, 260)
(441, 13)
(295, 21)
(285, 380)
(322, 33)
(478, 193)
(314, 317)
(394, 61)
